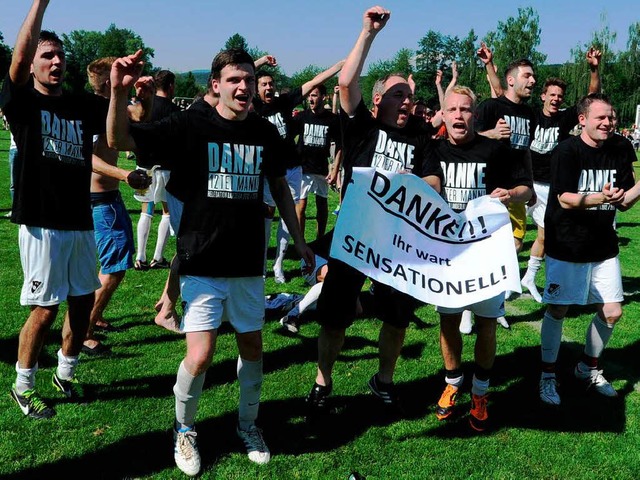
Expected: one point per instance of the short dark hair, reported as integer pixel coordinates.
(47, 36)
(232, 56)
(521, 62)
(554, 82)
(322, 90)
(586, 101)
(164, 79)
(263, 73)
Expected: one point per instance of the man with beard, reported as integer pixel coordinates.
(278, 110)
(362, 132)
(316, 128)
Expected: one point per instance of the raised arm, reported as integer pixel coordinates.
(486, 56)
(593, 59)
(27, 43)
(454, 77)
(438, 82)
(373, 21)
(336, 100)
(145, 91)
(321, 78)
(125, 72)
(266, 60)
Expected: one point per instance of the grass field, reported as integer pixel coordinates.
(123, 430)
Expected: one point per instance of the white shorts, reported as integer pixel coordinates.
(210, 301)
(157, 191)
(294, 180)
(314, 183)
(582, 283)
(57, 264)
(490, 308)
(537, 211)
(312, 277)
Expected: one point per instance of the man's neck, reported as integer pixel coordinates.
(49, 92)
(511, 95)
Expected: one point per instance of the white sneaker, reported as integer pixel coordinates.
(466, 323)
(596, 380)
(549, 391)
(185, 451)
(503, 322)
(257, 450)
(530, 284)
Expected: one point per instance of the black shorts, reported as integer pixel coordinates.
(336, 307)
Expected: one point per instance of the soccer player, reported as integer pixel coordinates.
(392, 100)
(112, 225)
(501, 173)
(316, 128)
(54, 134)
(589, 177)
(220, 240)
(162, 107)
(278, 110)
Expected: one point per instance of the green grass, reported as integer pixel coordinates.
(123, 431)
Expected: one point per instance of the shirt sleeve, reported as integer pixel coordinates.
(429, 162)
(485, 116)
(166, 135)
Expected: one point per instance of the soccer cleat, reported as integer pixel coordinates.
(290, 323)
(530, 284)
(185, 451)
(478, 415)
(384, 391)
(447, 402)
(31, 404)
(503, 322)
(257, 450)
(549, 391)
(317, 399)
(69, 388)
(466, 322)
(158, 264)
(596, 380)
(141, 266)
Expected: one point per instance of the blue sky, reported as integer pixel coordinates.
(186, 34)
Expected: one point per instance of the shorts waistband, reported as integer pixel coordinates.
(102, 198)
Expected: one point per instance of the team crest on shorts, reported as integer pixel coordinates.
(35, 286)
(553, 290)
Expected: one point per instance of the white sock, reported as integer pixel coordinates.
(66, 366)
(309, 300)
(479, 387)
(533, 266)
(454, 381)
(25, 378)
(250, 380)
(598, 335)
(144, 225)
(550, 338)
(163, 234)
(187, 391)
(267, 237)
(282, 243)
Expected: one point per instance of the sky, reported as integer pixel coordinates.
(187, 34)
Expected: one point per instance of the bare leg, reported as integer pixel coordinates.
(34, 333)
(76, 323)
(390, 344)
(450, 341)
(167, 316)
(330, 342)
(322, 212)
(110, 282)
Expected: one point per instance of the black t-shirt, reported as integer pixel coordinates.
(162, 107)
(218, 166)
(369, 143)
(550, 131)
(54, 136)
(280, 112)
(315, 133)
(577, 235)
(477, 168)
(519, 116)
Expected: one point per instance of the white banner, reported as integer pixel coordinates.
(396, 229)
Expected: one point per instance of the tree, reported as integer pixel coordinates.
(82, 47)
(435, 52)
(186, 85)
(236, 41)
(517, 38)
(402, 63)
(5, 58)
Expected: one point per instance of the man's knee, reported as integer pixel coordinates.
(557, 311)
(611, 312)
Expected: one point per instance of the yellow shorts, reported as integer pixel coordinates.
(518, 216)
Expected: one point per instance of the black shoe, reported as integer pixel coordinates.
(290, 323)
(100, 350)
(317, 400)
(69, 388)
(384, 391)
(32, 405)
(141, 266)
(157, 264)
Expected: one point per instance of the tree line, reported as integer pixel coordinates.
(516, 37)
